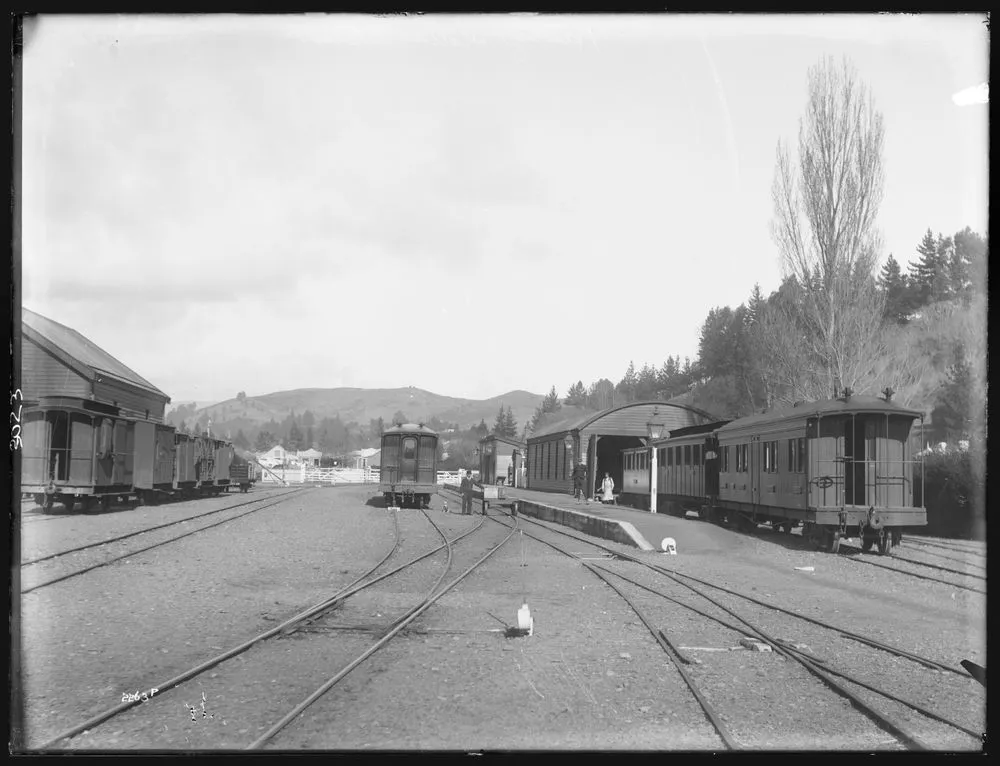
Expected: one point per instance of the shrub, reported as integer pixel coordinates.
(953, 493)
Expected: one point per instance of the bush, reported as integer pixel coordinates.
(953, 493)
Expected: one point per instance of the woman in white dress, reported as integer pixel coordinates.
(607, 489)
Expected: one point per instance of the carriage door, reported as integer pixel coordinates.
(408, 459)
(756, 462)
(854, 460)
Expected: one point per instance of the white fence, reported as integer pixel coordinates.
(312, 475)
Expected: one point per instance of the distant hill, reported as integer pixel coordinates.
(362, 405)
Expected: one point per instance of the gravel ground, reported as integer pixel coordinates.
(143, 620)
(590, 677)
(45, 534)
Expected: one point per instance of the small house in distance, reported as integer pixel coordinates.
(369, 457)
(500, 460)
(309, 457)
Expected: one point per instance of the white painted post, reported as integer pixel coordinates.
(652, 481)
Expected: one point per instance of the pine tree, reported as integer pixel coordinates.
(754, 306)
(509, 424)
(969, 264)
(892, 282)
(551, 401)
(499, 425)
(627, 385)
(577, 395)
(924, 273)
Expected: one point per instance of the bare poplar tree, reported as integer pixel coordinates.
(825, 209)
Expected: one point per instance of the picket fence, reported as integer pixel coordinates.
(312, 475)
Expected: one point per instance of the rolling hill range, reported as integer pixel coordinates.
(362, 405)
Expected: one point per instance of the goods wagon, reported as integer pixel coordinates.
(243, 474)
(408, 471)
(838, 467)
(82, 450)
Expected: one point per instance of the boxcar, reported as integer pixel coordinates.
(76, 449)
(408, 471)
(840, 468)
(81, 450)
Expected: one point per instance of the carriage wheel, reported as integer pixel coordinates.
(786, 528)
(50, 500)
(867, 541)
(106, 503)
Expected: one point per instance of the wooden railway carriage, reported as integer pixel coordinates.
(840, 468)
(82, 450)
(408, 471)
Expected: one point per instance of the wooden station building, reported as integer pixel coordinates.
(597, 440)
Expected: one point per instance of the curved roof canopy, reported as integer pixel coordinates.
(580, 418)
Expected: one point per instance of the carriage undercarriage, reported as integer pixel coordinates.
(870, 529)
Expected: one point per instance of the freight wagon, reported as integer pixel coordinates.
(81, 450)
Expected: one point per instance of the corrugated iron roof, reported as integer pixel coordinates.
(84, 351)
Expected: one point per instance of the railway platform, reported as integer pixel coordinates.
(641, 529)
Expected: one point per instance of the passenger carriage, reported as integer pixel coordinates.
(839, 468)
(408, 470)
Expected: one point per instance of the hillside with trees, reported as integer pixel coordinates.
(337, 421)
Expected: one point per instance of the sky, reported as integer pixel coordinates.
(465, 204)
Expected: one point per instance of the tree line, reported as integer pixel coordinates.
(837, 322)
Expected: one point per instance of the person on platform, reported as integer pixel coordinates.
(607, 489)
(467, 489)
(579, 479)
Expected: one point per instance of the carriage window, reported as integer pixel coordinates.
(725, 460)
(697, 454)
(801, 463)
(687, 454)
(662, 458)
(670, 455)
(771, 457)
(409, 448)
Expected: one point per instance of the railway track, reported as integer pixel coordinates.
(857, 558)
(969, 550)
(48, 557)
(946, 557)
(76, 573)
(303, 618)
(397, 627)
(832, 677)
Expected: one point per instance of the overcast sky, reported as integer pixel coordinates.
(468, 205)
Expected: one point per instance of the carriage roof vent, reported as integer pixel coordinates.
(887, 393)
(847, 394)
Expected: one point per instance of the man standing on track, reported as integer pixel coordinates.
(467, 489)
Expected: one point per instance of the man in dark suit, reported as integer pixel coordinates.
(579, 479)
(467, 489)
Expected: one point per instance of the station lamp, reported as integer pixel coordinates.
(654, 429)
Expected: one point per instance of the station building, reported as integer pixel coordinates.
(597, 439)
(501, 459)
(57, 361)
